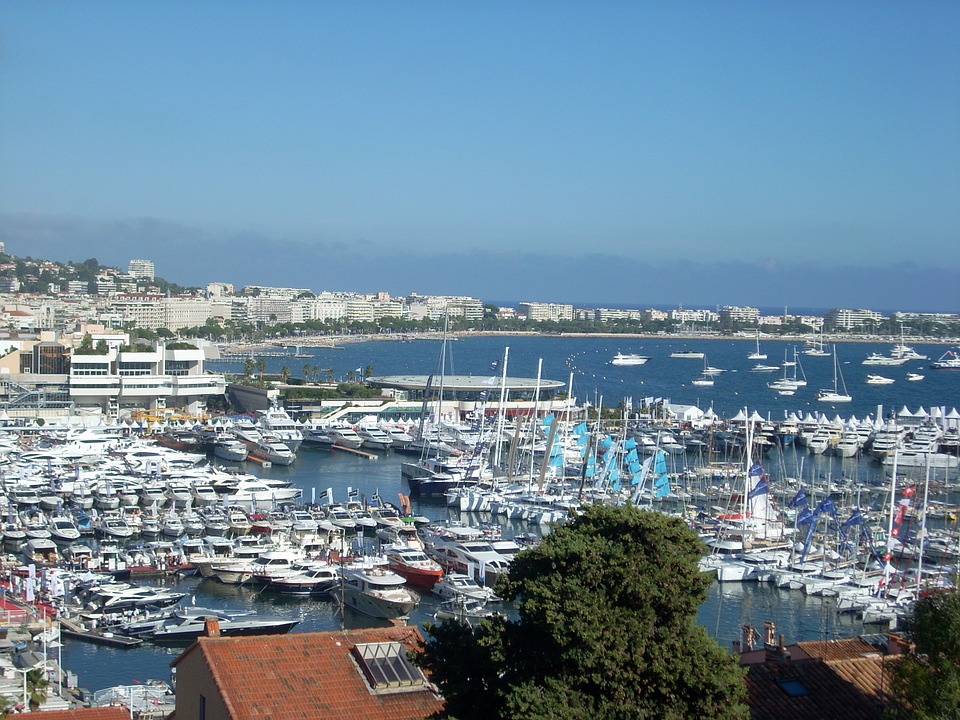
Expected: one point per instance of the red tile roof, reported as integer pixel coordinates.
(308, 675)
(95, 713)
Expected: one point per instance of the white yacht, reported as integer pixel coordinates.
(375, 591)
(628, 359)
(275, 422)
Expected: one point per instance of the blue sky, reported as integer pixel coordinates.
(696, 153)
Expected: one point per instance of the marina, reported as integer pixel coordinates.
(701, 480)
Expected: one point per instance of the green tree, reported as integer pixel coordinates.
(284, 374)
(368, 370)
(248, 365)
(261, 367)
(36, 688)
(606, 628)
(926, 680)
(307, 370)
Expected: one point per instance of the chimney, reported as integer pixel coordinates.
(747, 636)
(769, 634)
(212, 627)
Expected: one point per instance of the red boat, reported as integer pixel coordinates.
(413, 565)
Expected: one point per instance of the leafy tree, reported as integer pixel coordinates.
(607, 629)
(926, 680)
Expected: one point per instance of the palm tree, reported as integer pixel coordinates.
(284, 374)
(330, 374)
(248, 365)
(261, 367)
(36, 688)
(307, 369)
(368, 371)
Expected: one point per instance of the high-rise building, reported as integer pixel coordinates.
(141, 269)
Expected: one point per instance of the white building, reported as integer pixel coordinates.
(142, 269)
(150, 378)
(542, 312)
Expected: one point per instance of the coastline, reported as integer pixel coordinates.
(334, 341)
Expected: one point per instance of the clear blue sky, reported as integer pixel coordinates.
(764, 153)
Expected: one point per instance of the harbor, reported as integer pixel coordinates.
(704, 480)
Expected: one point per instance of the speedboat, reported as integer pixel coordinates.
(879, 380)
(914, 377)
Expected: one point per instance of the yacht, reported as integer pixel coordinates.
(277, 423)
(376, 591)
(628, 359)
(950, 360)
(414, 565)
(879, 380)
(455, 585)
(688, 354)
(231, 450)
(187, 624)
(374, 438)
(273, 450)
(345, 436)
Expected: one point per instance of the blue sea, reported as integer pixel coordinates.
(796, 615)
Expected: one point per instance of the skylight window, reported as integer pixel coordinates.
(793, 687)
(386, 666)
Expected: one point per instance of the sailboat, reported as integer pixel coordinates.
(788, 385)
(706, 377)
(757, 355)
(815, 347)
(834, 394)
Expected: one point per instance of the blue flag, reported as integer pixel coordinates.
(799, 499)
(761, 488)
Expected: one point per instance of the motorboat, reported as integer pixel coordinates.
(189, 623)
(464, 610)
(374, 438)
(688, 354)
(703, 381)
(414, 565)
(376, 591)
(309, 578)
(914, 377)
(63, 529)
(276, 423)
(271, 449)
(950, 360)
(231, 450)
(628, 359)
(879, 380)
(454, 585)
(345, 436)
(761, 368)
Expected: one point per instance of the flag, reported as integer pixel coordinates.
(805, 516)
(799, 499)
(855, 519)
(756, 470)
(630, 444)
(548, 420)
(631, 456)
(761, 488)
(580, 429)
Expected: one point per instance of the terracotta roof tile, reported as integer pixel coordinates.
(309, 675)
(95, 713)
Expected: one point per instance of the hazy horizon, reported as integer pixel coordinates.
(692, 153)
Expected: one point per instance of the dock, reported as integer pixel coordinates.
(72, 629)
(355, 451)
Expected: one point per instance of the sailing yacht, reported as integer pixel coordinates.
(707, 376)
(757, 355)
(838, 393)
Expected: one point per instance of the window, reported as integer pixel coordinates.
(386, 666)
(793, 687)
(203, 708)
